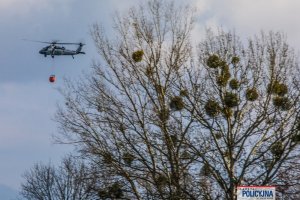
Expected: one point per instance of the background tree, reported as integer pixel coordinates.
(73, 180)
(248, 112)
(160, 120)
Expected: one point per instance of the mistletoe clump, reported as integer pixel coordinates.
(281, 89)
(251, 94)
(103, 193)
(122, 128)
(298, 124)
(235, 60)
(174, 139)
(212, 108)
(231, 99)
(107, 158)
(137, 56)
(282, 102)
(112, 192)
(227, 112)
(159, 88)
(218, 135)
(277, 88)
(149, 71)
(277, 149)
(225, 75)
(205, 170)
(296, 138)
(222, 81)
(128, 158)
(234, 84)
(177, 103)
(186, 155)
(164, 114)
(162, 180)
(184, 93)
(213, 61)
(225, 71)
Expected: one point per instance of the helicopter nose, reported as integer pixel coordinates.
(41, 52)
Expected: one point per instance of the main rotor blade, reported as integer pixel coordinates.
(39, 41)
(56, 42)
(66, 43)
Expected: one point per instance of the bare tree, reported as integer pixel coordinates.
(70, 181)
(248, 112)
(161, 119)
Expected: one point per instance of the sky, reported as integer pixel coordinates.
(28, 101)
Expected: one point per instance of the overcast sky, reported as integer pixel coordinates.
(28, 101)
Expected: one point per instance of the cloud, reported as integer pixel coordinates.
(27, 110)
(23, 7)
(249, 17)
(7, 192)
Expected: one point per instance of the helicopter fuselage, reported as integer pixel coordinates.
(53, 50)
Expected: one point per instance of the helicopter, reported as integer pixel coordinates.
(53, 49)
